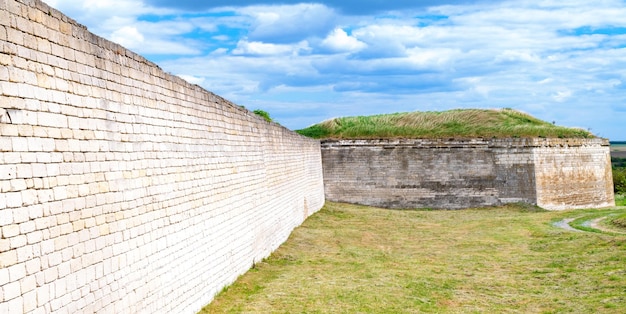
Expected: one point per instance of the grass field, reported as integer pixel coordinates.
(460, 123)
(356, 259)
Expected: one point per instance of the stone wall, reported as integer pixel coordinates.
(452, 174)
(573, 174)
(124, 189)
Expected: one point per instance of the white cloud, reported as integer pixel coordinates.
(192, 79)
(245, 47)
(562, 96)
(431, 58)
(131, 38)
(288, 23)
(128, 36)
(339, 41)
(517, 55)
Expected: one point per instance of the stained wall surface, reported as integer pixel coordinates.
(452, 174)
(127, 190)
(573, 174)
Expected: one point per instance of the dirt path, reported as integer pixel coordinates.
(596, 224)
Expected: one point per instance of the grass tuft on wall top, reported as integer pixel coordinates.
(458, 123)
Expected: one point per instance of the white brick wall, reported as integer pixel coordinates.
(124, 189)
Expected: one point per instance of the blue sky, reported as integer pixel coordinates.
(305, 62)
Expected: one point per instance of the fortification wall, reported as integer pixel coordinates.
(452, 174)
(124, 189)
(573, 173)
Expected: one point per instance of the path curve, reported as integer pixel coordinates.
(564, 224)
(593, 223)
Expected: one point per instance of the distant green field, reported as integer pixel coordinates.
(618, 149)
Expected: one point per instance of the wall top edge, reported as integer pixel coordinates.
(473, 142)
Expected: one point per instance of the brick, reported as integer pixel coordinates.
(18, 241)
(51, 274)
(12, 290)
(20, 215)
(43, 295)
(13, 200)
(8, 172)
(10, 231)
(24, 171)
(29, 197)
(15, 305)
(8, 258)
(18, 185)
(19, 144)
(27, 227)
(24, 253)
(5, 245)
(52, 120)
(35, 144)
(3, 205)
(28, 158)
(4, 276)
(29, 298)
(6, 145)
(17, 272)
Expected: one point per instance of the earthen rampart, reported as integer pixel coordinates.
(124, 189)
(452, 174)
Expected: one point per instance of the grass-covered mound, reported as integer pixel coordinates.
(459, 123)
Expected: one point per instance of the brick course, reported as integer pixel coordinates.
(125, 189)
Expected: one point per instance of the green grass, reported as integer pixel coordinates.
(461, 123)
(619, 221)
(620, 199)
(356, 259)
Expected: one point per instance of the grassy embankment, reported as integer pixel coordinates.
(461, 123)
(356, 259)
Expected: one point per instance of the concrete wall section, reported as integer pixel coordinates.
(454, 174)
(124, 189)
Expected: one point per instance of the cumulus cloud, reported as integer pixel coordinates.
(128, 36)
(283, 24)
(131, 38)
(339, 41)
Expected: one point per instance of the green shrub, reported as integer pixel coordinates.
(619, 180)
(618, 162)
(263, 114)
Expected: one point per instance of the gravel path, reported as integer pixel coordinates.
(564, 224)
